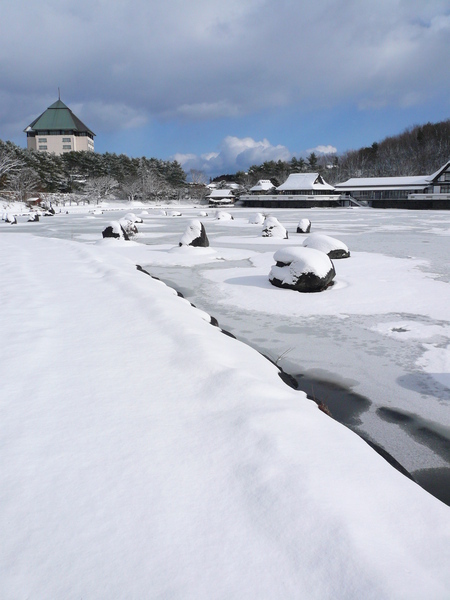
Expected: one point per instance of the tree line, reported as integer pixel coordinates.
(89, 174)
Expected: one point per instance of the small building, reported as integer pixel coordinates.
(262, 187)
(58, 130)
(300, 190)
(415, 192)
(221, 197)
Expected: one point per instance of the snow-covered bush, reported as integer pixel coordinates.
(273, 228)
(195, 235)
(302, 269)
(256, 219)
(304, 226)
(132, 217)
(331, 246)
(129, 227)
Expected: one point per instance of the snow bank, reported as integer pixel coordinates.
(152, 456)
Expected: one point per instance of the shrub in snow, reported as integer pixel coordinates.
(302, 269)
(115, 230)
(133, 218)
(10, 219)
(331, 246)
(256, 219)
(223, 216)
(195, 235)
(129, 227)
(304, 226)
(273, 228)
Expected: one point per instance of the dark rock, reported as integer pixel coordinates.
(195, 235)
(302, 270)
(304, 226)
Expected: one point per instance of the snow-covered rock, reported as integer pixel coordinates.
(195, 235)
(302, 269)
(115, 230)
(273, 228)
(331, 246)
(304, 226)
(223, 216)
(175, 213)
(9, 218)
(33, 218)
(256, 219)
(203, 213)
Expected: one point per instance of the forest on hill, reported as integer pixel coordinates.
(419, 150)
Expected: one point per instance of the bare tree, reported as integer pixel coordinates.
(8, 163)
(23, 182)
(100, 187)
(197, 176)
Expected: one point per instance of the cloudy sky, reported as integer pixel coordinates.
(220, 86)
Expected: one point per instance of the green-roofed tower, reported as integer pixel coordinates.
(58, 130)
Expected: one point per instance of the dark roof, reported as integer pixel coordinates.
(58, 117)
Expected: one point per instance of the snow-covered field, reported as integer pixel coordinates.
(147, 455)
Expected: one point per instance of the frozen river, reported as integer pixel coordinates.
(375, 348)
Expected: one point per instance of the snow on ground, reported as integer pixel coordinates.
(145, 454)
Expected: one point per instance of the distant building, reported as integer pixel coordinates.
(58, 130)
(224, 197)
(418, 191)
(300, 190)
(263, 186)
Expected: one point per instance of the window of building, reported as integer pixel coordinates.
(67, 147)
(42, 147)
(42, 140)
(445, 189)
(66, 140)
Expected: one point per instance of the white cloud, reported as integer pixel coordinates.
(235, 154)
(323, 149)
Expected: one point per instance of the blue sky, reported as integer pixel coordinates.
(220, 87)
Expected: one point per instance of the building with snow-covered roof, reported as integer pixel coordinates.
(300, 190)
(263, 185)
(58, 130)
(417, 191)
(221, 197)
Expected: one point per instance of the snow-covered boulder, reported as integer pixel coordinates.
(331, 246)
(304, 226)
(34, 219)
(302, 269)
(203, 213)
(97, 211)
(195, 235)
(115, 230)
(273, 228)
(133, 218)
(223, 216)
(256, 219)
(175, 213)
